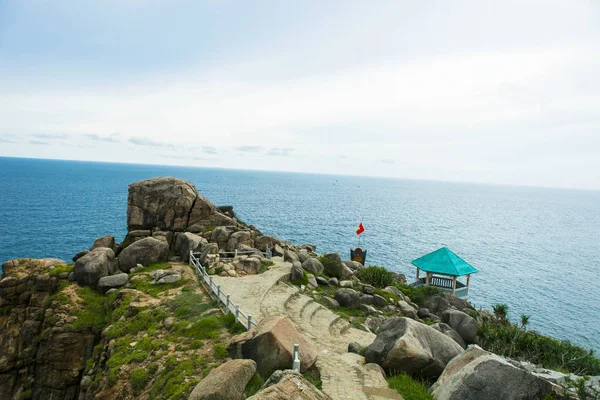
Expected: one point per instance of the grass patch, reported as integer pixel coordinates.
(97, 309)
(408, 387)
(331, 267)
(376, 276)
(148, 321)
(314, 377)
(220, 352)
(138, 379)
(145, 285)
(189, 305)
(59, 269)
(254, 385)
(387, 295)
(152, 267)
(173, 383)
(264, 266)
(301, 281)
(421, 294)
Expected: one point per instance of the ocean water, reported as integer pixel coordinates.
(538, 250)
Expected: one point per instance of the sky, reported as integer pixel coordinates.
(473, 91)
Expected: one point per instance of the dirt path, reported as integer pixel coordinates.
(345, 375)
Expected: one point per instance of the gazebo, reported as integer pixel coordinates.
(444, 262)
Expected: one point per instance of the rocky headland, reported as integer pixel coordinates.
(133, 320)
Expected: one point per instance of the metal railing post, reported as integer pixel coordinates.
(237, 313)
(219, 294)
(227, 304)
(191, 255)
(249, 322)
(296, 362)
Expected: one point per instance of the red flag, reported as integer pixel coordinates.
(360, 229)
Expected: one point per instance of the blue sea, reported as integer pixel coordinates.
(537, 249)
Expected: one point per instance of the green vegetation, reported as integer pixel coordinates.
(144, 284)
(314, 377)
(331, 269)
(220, 351)
(26, 394)
(254, 385)
(152, 267)
(96, 310)
(408, 387)
(264, 266)
(421, 294)
(59, 269)
(138, 379)
(302, 281)
(172, 383)
(498, 335)
(583, 391)
(375, 276)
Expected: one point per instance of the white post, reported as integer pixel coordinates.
(228, 304)
(210, 285)
(237, 313)
(219, 293)
(190, 260)
(249, 322)
(296, 361)
(235, 254)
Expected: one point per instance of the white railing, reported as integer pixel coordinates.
(268, 254)
(222, 298)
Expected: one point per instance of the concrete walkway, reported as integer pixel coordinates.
(345, 375)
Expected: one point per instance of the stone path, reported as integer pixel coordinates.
(345, 375)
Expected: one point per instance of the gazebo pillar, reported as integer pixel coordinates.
(417, 273)
(468, 280)
(454, 285)
(427, 278)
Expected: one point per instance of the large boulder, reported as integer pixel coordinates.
(271, 345)
(146, 251)
(290, 256)
(249, 265)
(112, 282)
(288, 385)
(188, 241)
(333, 265)
(347, 297)
(313, 265)
(463, 324)
(220, 235)
(164, 203)
(237, 238)
(405, 345)
(262, 242)
(445, 301)
(451, 333)
(94, 265)
(226, 382)
(479, 375)
(104, 241)
(206, 249)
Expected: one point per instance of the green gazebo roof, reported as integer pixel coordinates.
(444, 261)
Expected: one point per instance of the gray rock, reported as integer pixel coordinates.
(407, 309)
(220, 235)
(347, 297)
(346, 284)
(166, 203)
(146, 251)
(451, 333)
(288, 384)
(96, 264)
(368, 289)
(262, 242)
(161, 277)
(379, 301)
(290, 256)
(249, 265)
(366, 299)
(394, 290)
(168, 236)
(367, 309)
(423, 312)
(478, 375)
(112, 291)
(72, 276)
(79, 255)
(405, 345)
(277, 251)
(185, 242)
(112, 282)
(104, 241)
(374, 323)
(442, 302)
(313, 265)
(85, 383)
(353, 265)
(237, 238)
(334, 282)
(226, 382)
(347, 272)
(312, 282)
(206, 249)
(322, 281)
(303, 256)
(330, 303)
(354, 347)
(463, 324)
(297, 273)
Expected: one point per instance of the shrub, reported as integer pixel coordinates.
(96, 312)
(254, 385)
(375, 276)
(220, 351)
(314, 377)
(421, 294)
(331, 268)
(409, 388)
(139, 379)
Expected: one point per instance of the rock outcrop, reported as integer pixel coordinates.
(463, 324)
(271, 345)
(405, 345)
(94, 265)
(146, 251)
(288, 385)
(479, 375)
(226, 382)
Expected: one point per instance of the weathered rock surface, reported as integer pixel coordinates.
(262, 242)
(334, 262)
(451, 333)
(406, 345)
(271, 345)
(146, 251)
(442, 302)
(227, 382)
(288, 385)
(313, 265)
(463, 324)
(479, 375)
(237, 238)
(94, 265)
(161, 277)
(104, 241)
(188, 241)
(249, 265)
(112, 282)
(347, 297)
(296, 273)
(220, 235)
